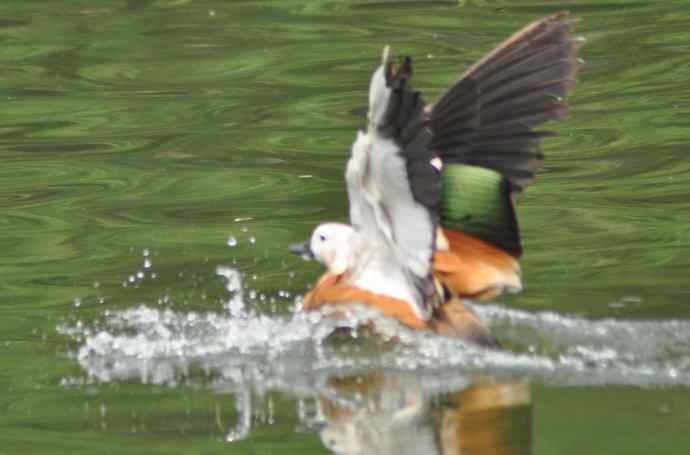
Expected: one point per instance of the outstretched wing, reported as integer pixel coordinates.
(385, 160)
(462, 161)
(483, 127)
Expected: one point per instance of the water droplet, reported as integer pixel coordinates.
(96, 284)
(211, 13)
(252, 294)
(252, 240)
(147, 263)
(146, 252)
(140, 275)
(131, 278)
(232, 241)
(244, 229)
(154, 275)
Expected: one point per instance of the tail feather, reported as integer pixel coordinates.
(456, 320)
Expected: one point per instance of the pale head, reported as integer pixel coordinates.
(331, 244)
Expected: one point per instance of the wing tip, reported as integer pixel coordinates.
(385, 55)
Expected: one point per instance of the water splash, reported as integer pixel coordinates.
(233, 284)
(163, 346)
(240, 345)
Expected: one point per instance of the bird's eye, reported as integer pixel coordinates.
(322, 237)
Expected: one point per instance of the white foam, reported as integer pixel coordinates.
(238, 345)
(162, 346)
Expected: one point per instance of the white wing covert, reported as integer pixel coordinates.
(385, 160)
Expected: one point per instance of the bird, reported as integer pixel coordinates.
(432, 188)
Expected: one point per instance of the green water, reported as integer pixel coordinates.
(171, 125)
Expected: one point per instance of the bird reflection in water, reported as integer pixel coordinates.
(390, 413)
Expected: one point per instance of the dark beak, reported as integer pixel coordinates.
(302, 249)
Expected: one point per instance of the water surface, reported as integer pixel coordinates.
(159, 156)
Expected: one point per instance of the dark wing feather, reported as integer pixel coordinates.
(487, 120)
(487, 117)
(408, 185)
(406, 123)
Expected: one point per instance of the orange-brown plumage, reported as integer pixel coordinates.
(452, 318)
(472, 268)
(335, 290)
